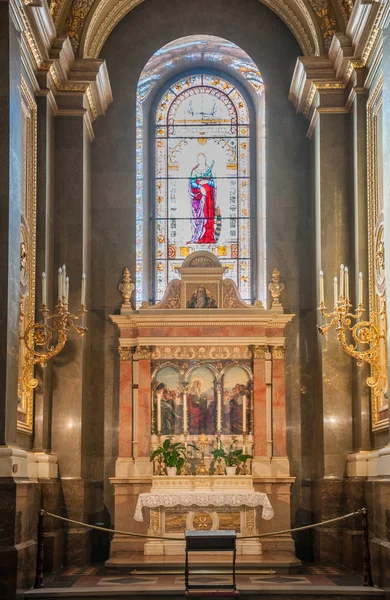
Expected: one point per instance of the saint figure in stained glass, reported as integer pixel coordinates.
(202, 193)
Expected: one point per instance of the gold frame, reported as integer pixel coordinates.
(28, 235)
(377, 298)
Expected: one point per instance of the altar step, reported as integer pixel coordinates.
(267, 563)
(267, 593)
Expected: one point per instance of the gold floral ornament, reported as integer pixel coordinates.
(276, 288)
(126, 287)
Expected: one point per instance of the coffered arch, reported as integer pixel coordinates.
(89, 22)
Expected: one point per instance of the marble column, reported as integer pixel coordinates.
(125, 449)
(278, 401)
(333, 169)
(144, 401)
(259, 401)
(72, 409)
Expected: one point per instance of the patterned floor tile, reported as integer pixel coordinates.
(128, 580)
(280, 579)
(80, 571)
(324, 570)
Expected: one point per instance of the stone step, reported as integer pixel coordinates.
(282, 592)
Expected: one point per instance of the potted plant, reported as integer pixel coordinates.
(173, 454)
(233, 457)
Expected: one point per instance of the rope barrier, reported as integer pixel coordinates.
(248, 537)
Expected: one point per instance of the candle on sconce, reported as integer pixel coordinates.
(244, 415)
(67, 290)
(64, 280)
(83, 280)
(341, 280)
(322, 295)
(44, 289)
(346, 282)
(360, 288)
(60, 284)
(335, 294)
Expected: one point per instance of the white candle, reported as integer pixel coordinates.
(341, 280)
(44, 295)
(64, 280)
(346, 283)
(360, 288)
(185, 416)
(67, 290)
(60, 284)
(244, 414)
(158, 414)
(83, 280)
(322, 295)
(335, 291)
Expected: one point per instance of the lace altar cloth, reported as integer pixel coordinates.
(203, 499)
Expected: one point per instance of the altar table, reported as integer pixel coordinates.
(172, 511)
(203, 500)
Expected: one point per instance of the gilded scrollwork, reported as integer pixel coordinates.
(144, 352)
(201, 352)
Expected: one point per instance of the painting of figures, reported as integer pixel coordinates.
(201, 401)
(168, 395)
(236, 397)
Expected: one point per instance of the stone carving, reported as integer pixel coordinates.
(276, 288)
(126, 287)
(23, 261)
(201, 352)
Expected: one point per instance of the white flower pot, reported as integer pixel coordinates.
(231, 471)
(171, 471)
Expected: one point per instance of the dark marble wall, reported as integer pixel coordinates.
(290, 235)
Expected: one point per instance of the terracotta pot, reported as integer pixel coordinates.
(231, 471)
(171, 471)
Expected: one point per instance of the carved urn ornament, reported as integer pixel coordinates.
(126, 287)
(276, 287)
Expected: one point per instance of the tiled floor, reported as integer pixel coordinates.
(97, 576)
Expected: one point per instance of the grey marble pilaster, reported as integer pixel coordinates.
(44, 261)
(334, 227)
(362, 394)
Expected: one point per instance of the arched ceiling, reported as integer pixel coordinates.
(89, 22)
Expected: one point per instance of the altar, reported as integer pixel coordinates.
(210, 503)
(202, 364)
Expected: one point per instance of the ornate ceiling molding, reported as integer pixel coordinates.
(329, 84)
(89, 24)
(76, 86)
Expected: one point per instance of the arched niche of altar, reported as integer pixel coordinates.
(202, 367)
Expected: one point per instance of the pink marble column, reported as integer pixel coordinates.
(126, 401)
(144, 399)
(259, 400)
(278, 401)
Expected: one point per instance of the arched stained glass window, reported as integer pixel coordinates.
(202, 178)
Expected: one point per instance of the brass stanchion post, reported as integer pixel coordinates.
(40, 555)
(368, 581)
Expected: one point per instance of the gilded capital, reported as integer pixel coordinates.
(278, 352)
(258, 351)
(145, 352)
(126, 352)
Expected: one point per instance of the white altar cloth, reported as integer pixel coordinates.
(204, 499)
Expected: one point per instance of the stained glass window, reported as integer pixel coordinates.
(202, 178)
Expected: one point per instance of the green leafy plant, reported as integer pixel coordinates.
(173, 454)
(233, 456)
